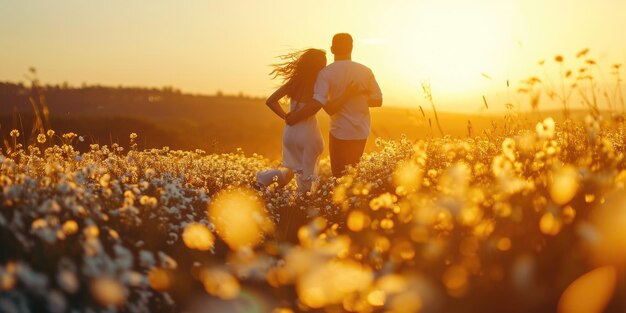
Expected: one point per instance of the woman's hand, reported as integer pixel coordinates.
(272, 101)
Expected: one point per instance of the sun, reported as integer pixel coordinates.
(456, 45)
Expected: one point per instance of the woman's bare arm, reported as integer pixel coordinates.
(311, 106)
(272, 101)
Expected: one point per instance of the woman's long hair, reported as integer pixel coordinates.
(299, 71)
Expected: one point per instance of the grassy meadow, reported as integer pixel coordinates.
(106, 115)
(218, 124)
(524, 212)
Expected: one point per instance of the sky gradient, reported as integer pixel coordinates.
(204, 46)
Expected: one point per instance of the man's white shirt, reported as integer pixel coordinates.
(352, 121)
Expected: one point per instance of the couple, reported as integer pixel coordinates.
(344, 89)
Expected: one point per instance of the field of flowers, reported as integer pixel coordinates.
(528, 221)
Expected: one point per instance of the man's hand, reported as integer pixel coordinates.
(289, 120)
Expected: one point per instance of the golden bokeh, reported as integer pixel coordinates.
(70, 227)
(408, 176)
(331, 281)
(550, 224)
(504, 244)
(220, 283)
(609, 226)
(159, 279)
(455, 279)
(358, 220)
(564, 184)
(199, 237)
(239, 218)
(108, 291)
(590, 293)
(376, 298)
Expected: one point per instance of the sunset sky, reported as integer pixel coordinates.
(209, 45)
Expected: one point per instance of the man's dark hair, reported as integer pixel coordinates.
(342, 43)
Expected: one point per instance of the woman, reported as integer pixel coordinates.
(302, 142)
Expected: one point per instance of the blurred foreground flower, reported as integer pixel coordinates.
(108, 291)
(589, 293)
(239, 218)
(199, 237)
(546, 129)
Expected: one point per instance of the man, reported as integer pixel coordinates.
(350, 122)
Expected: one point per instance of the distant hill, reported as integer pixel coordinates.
(217, 123)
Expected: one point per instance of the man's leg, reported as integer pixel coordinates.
(354, 151)
(335, 156)
(344, 153)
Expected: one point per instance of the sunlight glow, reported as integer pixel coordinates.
(466, 49)
(452, 42)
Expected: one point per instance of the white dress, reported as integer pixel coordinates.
(302, 147)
